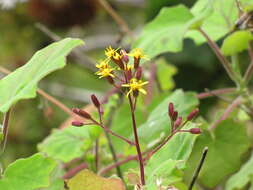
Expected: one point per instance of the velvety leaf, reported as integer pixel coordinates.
(241, 178)
(226, 146)
(87, 180)
(22, 83)
(219, 23)
(66, 144)
(165, 33)
(56, 180)
(165, 72)
(28, 174)
(236, 42)
(158, 122)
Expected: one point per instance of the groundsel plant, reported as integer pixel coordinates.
(127, 78)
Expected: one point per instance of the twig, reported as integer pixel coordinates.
(219, 55)
(46, 96)
(81, 58)
(114, 165)
(114, 134)
(226, 113)
(118, 19)
(152, 152)
(5, 129)
(196, 173)
(249, 72)
(215, 92)
(71, 173)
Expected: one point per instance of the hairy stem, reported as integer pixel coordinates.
(137, 145)
(114, 134)
(219, 55)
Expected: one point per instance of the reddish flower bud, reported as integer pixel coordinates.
(124, 57)
(128, 74)
(139, 73)
(193, 114)
(178, 122)
(95, 101)
(171, 110)
(195, 131)
(82, 113)
(77, 123)
(110, 80)
(136, 62)
(175, 115)
(119, 63)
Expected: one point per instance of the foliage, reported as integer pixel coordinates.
(150, 142)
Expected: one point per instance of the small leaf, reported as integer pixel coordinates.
(66, 144)
(241, 178)
(165, 33)
(87, 180)
(22, 83)
(236, 42)
(28, 174)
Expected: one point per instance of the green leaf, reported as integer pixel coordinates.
(219, 23)
(226, 146)
(171, 157)
(28, 174)
(241, 178)
(236, 42)
(165, 33)
(66, 144)
(165, 72)
(22, 83)
(87, 180)
(158, 122)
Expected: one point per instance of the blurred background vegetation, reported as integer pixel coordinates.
(21, 36)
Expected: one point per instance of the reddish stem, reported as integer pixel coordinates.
(137, 144)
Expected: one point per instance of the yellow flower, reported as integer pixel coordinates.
(103, 64)
(138, 54)
(105, 70)
(111, 53)
(135, 85)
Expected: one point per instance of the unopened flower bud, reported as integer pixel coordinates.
(195, 131)
(124, 57)
(171, 110)
(175, 115)
(136, 62)
(139, 73)
(77, 123)
(82, 113)
(178, 122)
(129, 75)
(95, 101)
(193, 114)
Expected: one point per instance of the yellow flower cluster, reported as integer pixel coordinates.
(132, 81)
